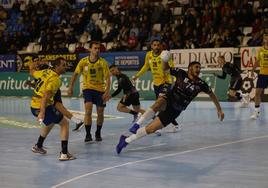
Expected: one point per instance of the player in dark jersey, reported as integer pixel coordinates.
(131, 95)
(236, 80)
(185, 89)
(41, 65)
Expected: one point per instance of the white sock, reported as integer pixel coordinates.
(76, 120)
(141, 132)
(257, 109)
(148, 114)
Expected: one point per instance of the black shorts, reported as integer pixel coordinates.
(170, 114)
(161, 89)
(236, 83)
(131, 99)
(52, 115)
(57, 97)
(262, 81)
(93, 96)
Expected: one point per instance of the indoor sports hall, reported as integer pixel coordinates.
(205, 153)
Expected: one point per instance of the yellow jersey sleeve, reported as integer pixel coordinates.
(94, 74)
(262, 58)
(46, 80)
(155, 64)
(145, 67)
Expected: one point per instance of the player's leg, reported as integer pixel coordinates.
(98, 100)
(141, 132)
(87, 94)
(64, 135)
(159, 105)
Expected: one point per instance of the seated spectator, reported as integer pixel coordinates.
(80, 48)
(255, 40)
(132, 41)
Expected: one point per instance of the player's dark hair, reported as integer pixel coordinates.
(93, 42)
(112, 66)
(193, 63)
(56, 62)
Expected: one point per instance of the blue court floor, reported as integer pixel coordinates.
(206, 153)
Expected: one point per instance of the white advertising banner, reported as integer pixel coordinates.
(206, 56)
(248, 57)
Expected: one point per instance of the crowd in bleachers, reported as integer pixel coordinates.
(128, 25)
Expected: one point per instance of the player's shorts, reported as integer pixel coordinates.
(170, 114)
(52, 115)
(131, 99)
(161, 89)
(236, 83)
(262, 81)
(93, 96)
(57, 97)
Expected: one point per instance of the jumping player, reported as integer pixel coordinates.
(186, 88)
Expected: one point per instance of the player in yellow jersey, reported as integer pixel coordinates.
(162, 81)
(47, 84)
(96, 87)
(41, 65)
(262, 82)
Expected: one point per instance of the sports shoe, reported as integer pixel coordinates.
(247, 99)
(244, 104)
(98, 137)
(88, 137)
(41, 150)
(78, 126)
(255, 115)
(134, 128)
(122, 144)
(66, 157)
(176, 128)
(158, 132)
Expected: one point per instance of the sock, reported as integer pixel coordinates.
(238, 96)
(141, 132)
(88, 128)
(98, 131)
(133, 112)
(257, 108)
(40, 141)
(64, 146)
(148, 114)
(75, 120)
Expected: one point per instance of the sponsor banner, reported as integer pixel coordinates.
(124, 60)
(207, 57)
(14, 84)
(248, 57)
(23, 60)
(7, 63)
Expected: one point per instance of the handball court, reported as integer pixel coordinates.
(206, 153)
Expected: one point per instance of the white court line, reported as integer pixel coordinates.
(140, 148)
(154, 158)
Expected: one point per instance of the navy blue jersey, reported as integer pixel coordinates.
(124, 84)
(185, 90)
(231, 69)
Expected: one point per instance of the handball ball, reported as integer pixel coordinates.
(165, 55)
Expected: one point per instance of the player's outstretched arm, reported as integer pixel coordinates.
(217, 104)
(71, 86)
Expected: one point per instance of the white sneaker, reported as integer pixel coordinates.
(244, 104)
(255, 115)
(245, 101)
(158, 132)
(247, 98)
(176, 128)
(66, 157)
